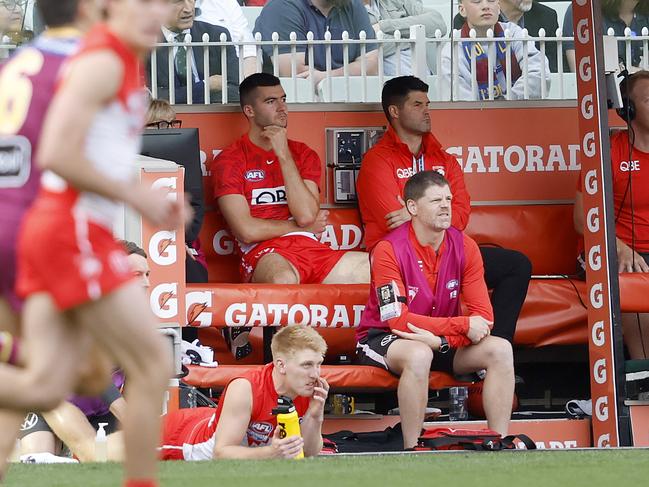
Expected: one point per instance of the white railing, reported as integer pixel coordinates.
(6, 50)
(631, 43)
(366, 87)
(426, 54)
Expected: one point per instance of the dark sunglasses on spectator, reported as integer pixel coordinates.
(164, 124)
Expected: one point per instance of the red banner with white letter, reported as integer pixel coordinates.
(166, 251)
(599, 231)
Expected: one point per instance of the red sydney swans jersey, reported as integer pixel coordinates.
(631, 204)
(191, 431)
(113, 139)
(246, 169)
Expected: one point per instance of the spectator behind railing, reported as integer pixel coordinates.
(482, 16)
(389, 16)
(318, 16)
(530, 15)
(228, 14)
(616, 15)
(181, 22)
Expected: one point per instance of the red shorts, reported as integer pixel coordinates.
(73, 260)
(312, 259)
(187, 434)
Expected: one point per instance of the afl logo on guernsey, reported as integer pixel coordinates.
(262, 428)
(255, 175)
(452, 284)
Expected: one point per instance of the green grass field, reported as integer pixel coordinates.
(525, 469)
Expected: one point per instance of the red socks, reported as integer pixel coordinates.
(8, 348)
(140, 483)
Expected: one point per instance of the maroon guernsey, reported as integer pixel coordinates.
(29, 77)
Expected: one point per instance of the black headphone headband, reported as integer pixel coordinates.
(627, 112)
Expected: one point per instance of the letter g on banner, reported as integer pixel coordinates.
(583, 31)
(588, 144)
(597, 295)
(587, 106)
(592, 220)
(597, 334)
(599, 371)
(585, 69)
(166, 183)
(590, 182)
(164, 300)
(595, 258)
(601, 408)
(162, 248)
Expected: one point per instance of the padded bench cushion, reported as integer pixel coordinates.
(552, 314)
(543, 232)
(351, 378)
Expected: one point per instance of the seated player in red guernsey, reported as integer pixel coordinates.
(630, 170)
(268, 189)
(413, 322)
(243, 425)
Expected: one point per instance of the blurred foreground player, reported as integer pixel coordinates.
(27, 83)
(75, 421)
(89, 142)
(243, 426)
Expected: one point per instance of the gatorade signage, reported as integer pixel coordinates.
(166, 252)
(599, 231)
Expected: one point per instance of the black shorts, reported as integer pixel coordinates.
(373, 349)
(34, 422)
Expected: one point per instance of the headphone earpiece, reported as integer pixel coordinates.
(627, 112)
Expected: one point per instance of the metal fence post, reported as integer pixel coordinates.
(419, 60)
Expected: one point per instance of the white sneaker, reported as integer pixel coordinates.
(197, 354)
(579, 408)
(46, 458)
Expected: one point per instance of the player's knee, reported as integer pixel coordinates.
(418, 359)
(498, 351)
(362, 272)
(521, 265)
(284, 276)
(44, 391)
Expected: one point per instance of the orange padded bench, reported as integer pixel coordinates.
(348, 378)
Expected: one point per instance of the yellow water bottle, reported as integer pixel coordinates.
(288, 420)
